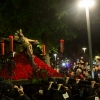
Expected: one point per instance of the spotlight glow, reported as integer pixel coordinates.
(86, 3)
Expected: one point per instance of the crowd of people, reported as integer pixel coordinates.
(82, 70)
(73, 86)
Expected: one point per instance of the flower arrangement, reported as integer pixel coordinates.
(23, 69)
(19, 67)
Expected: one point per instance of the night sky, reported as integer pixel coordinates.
(77, 16)
(76, 19)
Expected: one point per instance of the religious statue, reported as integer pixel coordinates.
(26, 43)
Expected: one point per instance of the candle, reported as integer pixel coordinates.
(61, 45)
(2, 49)
(43, 50)
(11, 43)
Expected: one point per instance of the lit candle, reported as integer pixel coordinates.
(11, 43)
(2, 49)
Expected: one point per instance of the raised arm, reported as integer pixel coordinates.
(33, 41)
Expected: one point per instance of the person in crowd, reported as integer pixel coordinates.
(81, 61)
(98, 90)
(79, 74)
(83, 92)
(49, 92)
(62, 93)
(75, 89)
(79, 65)
(74, 67)
(98, 61)
(67, 72)
(92, 91)
(99, 69)
(21, 95)
(96, 72)
(87, 66)
(71, 74)
(82, 66)
(87, 75)
(10, 92)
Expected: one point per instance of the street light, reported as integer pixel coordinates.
(87, 4)
(55, 55)
(84, 49)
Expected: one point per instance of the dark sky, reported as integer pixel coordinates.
(78, 17)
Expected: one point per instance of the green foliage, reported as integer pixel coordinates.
(40, 75)
(42, 20)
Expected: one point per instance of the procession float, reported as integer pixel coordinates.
(23, 67)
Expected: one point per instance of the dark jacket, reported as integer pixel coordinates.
(24, 97)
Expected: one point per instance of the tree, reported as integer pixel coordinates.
(47, 20)
(42, 20)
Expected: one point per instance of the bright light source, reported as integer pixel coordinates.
(86, 3)
(63, 64)
(55, 55)
(14, 54)
(84, 49)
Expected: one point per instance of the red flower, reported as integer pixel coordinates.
(24, 70)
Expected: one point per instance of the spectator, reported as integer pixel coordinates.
(72, 74)
(10, 92)
(98, 61)
(79, 74)
(87, 75)
(87, 66)
(91, 91)
(96, 72)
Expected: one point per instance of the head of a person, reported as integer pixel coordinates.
(86, 63)
(78, 71)
(83, 71)
(81, 61)
(95, 68)
(98, 59)
(82, 66)
(87, 73)
(72, 73)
